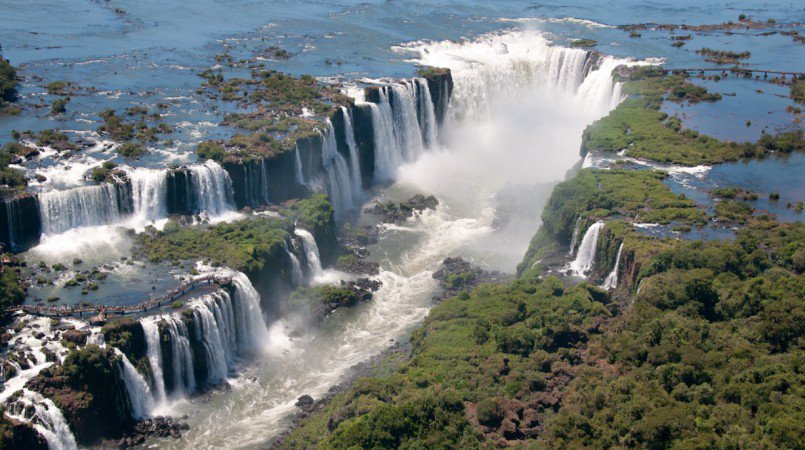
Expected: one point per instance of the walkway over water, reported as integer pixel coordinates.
(101, 310)
(738, 70)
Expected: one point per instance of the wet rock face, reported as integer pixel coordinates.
(20, 224)
(19, 435)
(157, 427)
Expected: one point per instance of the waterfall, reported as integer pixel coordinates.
(575, 238)
(507, 64)
(300, 176)
(45, 417)
(78, 207)
(586, 253)
(354, 162)
(427, 113)
(406, 126)
(226, 326)
(212, 188)
(184, 380)
(296, 268)
(311, 251)
(142, 403)
(149, 188)
(154, 353)
(338, 182)
(256, 182)
(612, 279)
(387, 155)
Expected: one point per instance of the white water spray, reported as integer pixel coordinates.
(586, 253)
(612, 279)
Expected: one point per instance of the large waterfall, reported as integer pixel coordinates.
(142, 402)
(338, 180)
(427, 112)
(212, 188)
(78, 207)
(141, 200)
(224, 327)
(585, 257)
(354, 162)
(612, 279)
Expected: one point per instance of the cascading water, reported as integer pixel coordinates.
(575, 238)
(46, 419)
(300, 176)
(296, 268)
(338, 182)
(142, 402)
(612, 279)
(586, 253)
(79, 207)
(149, 190)
(212, 188)
(311, 252)
(226, 326)
(427, 113)
(256, 180)
(354, 162)
(154, 353)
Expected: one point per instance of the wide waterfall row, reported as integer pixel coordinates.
(146, 195)
(509, 66)
(196, 347)
(404, 124)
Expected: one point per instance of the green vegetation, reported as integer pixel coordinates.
(8, 82)
(13, 178)
(594, 194)
(12, 288)
(57, 87)
(245, 245)
(723, 56)
(798, 91)
(103, 173)
(584, 43)
(638, 127)
(59, 106)
(321, 300)
(431, 72)
(131, 150)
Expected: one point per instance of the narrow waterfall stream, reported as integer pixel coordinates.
(586, 253)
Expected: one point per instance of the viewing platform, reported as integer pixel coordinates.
(98, 313)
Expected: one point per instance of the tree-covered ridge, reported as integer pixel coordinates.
(705, 354)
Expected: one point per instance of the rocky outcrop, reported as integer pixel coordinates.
(457, 275)
(88, 391)
(440, 84)
(19, 435)
(390, 212)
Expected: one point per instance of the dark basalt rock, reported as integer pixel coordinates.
(21, 435)
(20, 224)
(390, 212)
(305, 403)
(156, 427)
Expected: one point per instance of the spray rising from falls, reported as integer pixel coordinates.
(612, 279)
(586, 253)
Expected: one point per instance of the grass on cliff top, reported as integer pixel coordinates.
(241, 245)
(707, 356)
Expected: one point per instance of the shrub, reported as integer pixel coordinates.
(131, 150)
